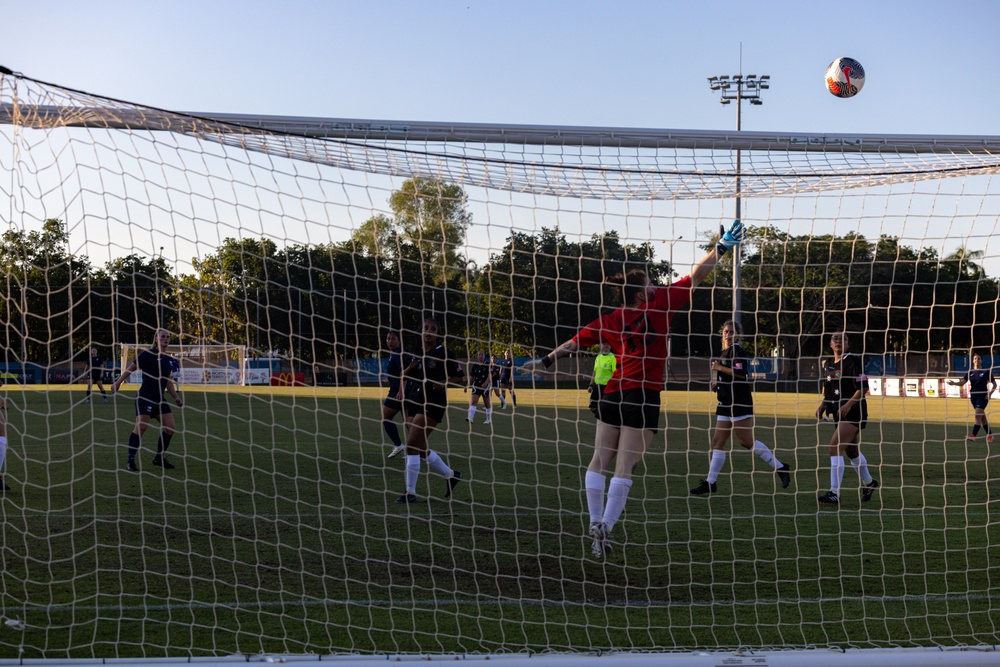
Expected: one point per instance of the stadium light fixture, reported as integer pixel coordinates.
(739, 87)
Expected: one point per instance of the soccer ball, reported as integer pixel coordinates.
(845, 77)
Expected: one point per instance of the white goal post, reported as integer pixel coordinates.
(307, 244)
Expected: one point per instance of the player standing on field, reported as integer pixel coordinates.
(424, 403)
(157, 371)
(479, 382)
(982, 383)
(604, 368)
(845, 387)
(629, 411)
(734, 415)
(3, 442)
(94, 374)
(393, 403)
(506, 382)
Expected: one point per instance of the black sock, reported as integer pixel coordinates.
(163, 442)
(392, 431)
(975, 430)
(133, 445)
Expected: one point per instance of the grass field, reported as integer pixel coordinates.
(278, 533)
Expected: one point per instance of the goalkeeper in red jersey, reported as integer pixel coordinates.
(628, 412)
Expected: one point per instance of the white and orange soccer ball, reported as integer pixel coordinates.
(845, 77)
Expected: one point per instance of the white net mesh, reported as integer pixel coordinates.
(306, 241)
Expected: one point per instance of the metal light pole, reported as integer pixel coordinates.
(739, 88)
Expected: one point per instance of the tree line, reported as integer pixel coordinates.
(324, 302)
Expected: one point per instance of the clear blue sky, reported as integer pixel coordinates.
(930, 70)
(930, 64)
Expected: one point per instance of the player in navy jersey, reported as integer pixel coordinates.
(157, 380)
(94, 374)
(393, 403)
(425, 398)
(3, 442)
(628, 412)
(845, 386)
(505, 381)
(982, 384)
(480, 383)
(734, 414)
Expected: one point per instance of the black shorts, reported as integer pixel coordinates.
(858, 415)
(428, 408)
(979, 401)
(596, 391)
(393, 404)
(635, 408)
(479, 391)
(504, 382)
(150, 408)
(733, 411)
(96, 375)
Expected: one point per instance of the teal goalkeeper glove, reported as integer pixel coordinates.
(729, 239)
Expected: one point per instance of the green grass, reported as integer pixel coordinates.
(278, 533)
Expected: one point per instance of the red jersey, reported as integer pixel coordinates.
(638, 337)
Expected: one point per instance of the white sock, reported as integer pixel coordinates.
(412, 472)
(715, 465)
(3, 451)
(765, 454)
(594, 483)
(860, 465)
(836, 473)
(489, 414)
(617, 495)
(472, 412)
(437, 464)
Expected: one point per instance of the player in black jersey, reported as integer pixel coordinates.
(94, 374)
(425, 398)
(157, 370)
(734, 414)
(393, 403)
(982, 384)
(845, 386)
(506, 380)
(479, 382)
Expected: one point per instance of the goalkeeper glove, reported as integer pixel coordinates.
(729, 239)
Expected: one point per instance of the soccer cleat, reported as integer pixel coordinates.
(87, 401)
(406, 499)
(829, 498)
(703, 488)
(453, 481)
(396, 451)
(971, 436)
(601, 545)
(162, 462)
(105, 399)
(784, 474)
(989, 438)
(3, 486)
(488, 421)
(131, 466)
(503, 405)
(868, 490)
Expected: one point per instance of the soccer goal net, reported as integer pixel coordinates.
(305, 247)
(197, 364)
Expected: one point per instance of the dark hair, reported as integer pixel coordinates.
(737, 327)
(628, 285)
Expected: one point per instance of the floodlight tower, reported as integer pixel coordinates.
(739, 88)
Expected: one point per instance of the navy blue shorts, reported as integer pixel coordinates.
(635, 408)
(980, 401)
(393, 404)
(152, 409)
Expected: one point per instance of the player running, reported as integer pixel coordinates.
(629, 410)
(982, 384)
(424, 404)
(479, 382)
(393, 403)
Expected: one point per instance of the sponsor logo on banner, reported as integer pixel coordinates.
(875, 386)
(954, 391)
(911, 387)
(932, 387)
(892, 387)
